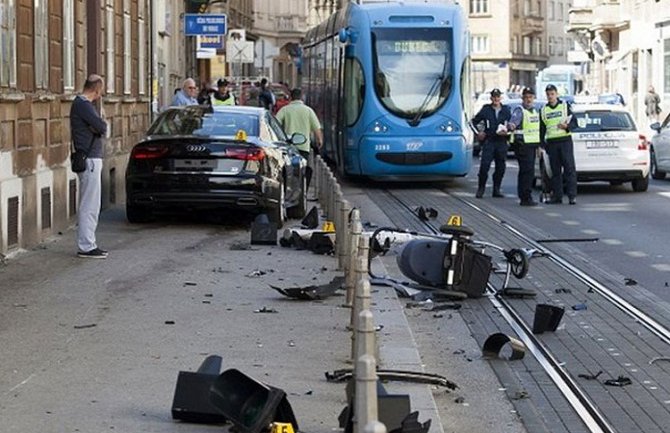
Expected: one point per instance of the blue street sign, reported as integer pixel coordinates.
(204, 24)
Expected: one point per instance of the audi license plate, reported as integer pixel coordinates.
(602, 144)
(195, 164)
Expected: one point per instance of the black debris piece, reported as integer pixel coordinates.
(90, 325)
(256, 273)
(516, 292)
(520, 395)
(190, 283)
(446, 306)
(250, 405)
(311, 293)
(495, 342)
(321, 243)
(311, 220)
(241, 246)
(590, 290)
(547, 318)
(459, 400)
(266, 310)
(169, 322)
(426, 213)
(579, 307)
(411, 424)
(589, 376)
(370, 225)
(630, 282)
(378, 248)
(563, 290)
(191, 396)
(345, 374)
(263, 232)
(619, 381)
(310, 392)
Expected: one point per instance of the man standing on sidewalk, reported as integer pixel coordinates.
(652, 103)
(298, 117)
(525, 139)
(87, 129)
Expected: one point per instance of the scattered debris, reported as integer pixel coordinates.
(411, 424)
(204, 301)
(257, 273)
(438, 316)
(459, 400)
(169, 322)
(241, 246)
(343, 375)
(563, 290)
(547, 318)
(619, 381)
(426, 214)
(520, 395)
(590, 290)
(90, 325)
(310, 392)
(20, 305)
(579, 307)
(209, 295)
(266, 310)
(190, 283)
(310, 293)
(590, 376)
(494, 344)
(221, 270)
(370, 225)
(263, 232)
(630, 282)
(311, 220)
(659, 358)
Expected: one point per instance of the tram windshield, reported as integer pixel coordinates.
(413, 73)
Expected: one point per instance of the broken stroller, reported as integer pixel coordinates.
(451, 263)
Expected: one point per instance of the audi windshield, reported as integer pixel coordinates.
(201, 121)
(413, 71)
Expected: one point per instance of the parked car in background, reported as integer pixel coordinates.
(608, 147)
(660, 149)
(248, 95)
(230, 157)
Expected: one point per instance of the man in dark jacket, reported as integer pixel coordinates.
(266, 98)
(494, 138)
(88, 128)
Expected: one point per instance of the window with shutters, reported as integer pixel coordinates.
(41, 43)
(110, 51)
(68, 46)
(8, 43)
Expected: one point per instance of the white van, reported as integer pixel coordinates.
(608, 147)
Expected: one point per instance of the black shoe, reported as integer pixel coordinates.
(573, 200)
(498, 194)
(555, 201)
(480, 193)
(96, 253)
(528, 203)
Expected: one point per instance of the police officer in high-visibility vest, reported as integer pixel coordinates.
(525, 139)
(223, 96)
(555, 122)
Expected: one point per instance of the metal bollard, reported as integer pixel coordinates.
(365, 405)
(341, 235)
(365, 335)
(352, 244)
(375, 427)
(362, 301)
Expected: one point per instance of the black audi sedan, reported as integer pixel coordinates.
(226, 157)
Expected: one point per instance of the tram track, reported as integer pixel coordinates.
(592, 417)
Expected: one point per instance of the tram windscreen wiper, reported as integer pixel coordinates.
(437, 84)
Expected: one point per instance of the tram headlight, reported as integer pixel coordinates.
(448, 127)
(379, 127)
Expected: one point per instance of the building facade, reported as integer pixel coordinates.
(627, 48)
(280, 26)
(508, 42)
(559, 42)
(48, 49)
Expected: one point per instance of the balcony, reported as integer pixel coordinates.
(580, 18)
(290, 24)
(532, 24)
(608, 14)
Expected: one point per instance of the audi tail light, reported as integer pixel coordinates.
(642, 145)
(254, 154)
(149, 151)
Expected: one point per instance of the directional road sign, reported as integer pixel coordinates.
(204, 24)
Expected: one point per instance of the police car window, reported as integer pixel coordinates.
(596, 121)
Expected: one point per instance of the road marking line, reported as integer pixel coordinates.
(553, 214)
(664, 194)
(663, 267)
(637, 254)
(590, 232)
(571, 223)
(612, 242)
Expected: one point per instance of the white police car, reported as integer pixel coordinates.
(607, 145)
(660, 149)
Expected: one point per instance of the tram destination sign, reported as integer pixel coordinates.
(205, 24)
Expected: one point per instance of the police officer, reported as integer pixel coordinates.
(525, 123)
(222, 96)
(555, 121)
(494, 142)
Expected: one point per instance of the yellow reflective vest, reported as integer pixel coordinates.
(552, 117)
(530, 127)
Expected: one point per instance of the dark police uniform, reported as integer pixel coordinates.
(494, 147)
(558, 143)
(525, 140)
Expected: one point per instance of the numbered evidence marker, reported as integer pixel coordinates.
(455, 220)
(328, 227)
(281, 427)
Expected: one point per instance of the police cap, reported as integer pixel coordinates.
(550, 87)
(496, 92)
(222, 82)
(528, 91)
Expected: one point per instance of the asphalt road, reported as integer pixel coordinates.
(631, 227)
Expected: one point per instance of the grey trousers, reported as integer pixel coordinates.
(90, 186)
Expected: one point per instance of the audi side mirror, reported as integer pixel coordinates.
(656, 126)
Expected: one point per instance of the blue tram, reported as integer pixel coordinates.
(390, 82)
